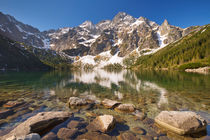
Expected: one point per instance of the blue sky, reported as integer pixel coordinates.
(53, 14)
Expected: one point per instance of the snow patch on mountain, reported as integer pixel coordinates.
(161, 39)
(46, 43)
(89, 42)
(60, 32)
(119, 41)
(1, 28)
(203, 30)
(88, 25)
(137, 23)
(21, 30)
(88, 59)
(109, 59)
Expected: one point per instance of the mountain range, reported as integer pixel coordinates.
(120, 41)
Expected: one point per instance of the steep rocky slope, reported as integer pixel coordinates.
(193, 51)
(14, 56)
(21, 32)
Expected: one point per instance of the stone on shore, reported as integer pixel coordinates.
(125, 108)
(38, 123)
(110, 103)
(181, 122)
(202, 70)
(104, 123)
(75, 101)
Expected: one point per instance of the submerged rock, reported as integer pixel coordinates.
(95, 136)
(92, 99)
(145, 137)
(32, 136)
(110, 103)
(139, 130)
(140, 115)
(76, 124)
(12, 104)
(102, 123)
(125, 108)
(149, 122)
(38, 123)
(50, 136)
(5, 113)
(75, 101)
(65, 133)
(181, 122)
(127, 136)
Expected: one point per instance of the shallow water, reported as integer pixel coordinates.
(150, 91)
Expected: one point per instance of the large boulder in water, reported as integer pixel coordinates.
(102, 123)
(38, 124)
(181, 122)
(110, 103)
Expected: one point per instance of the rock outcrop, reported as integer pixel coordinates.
(203, 70)
(181, 122)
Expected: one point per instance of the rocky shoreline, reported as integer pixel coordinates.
(202, 70)
(65, 125)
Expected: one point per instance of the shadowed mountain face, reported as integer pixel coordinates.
(14, 56)
(21, 32)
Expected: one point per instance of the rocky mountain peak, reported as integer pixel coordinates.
(88, 25)
(121, 14)
(165, 23)
(142, 19)
(165, 27)
(104, 24)
(123, 17)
